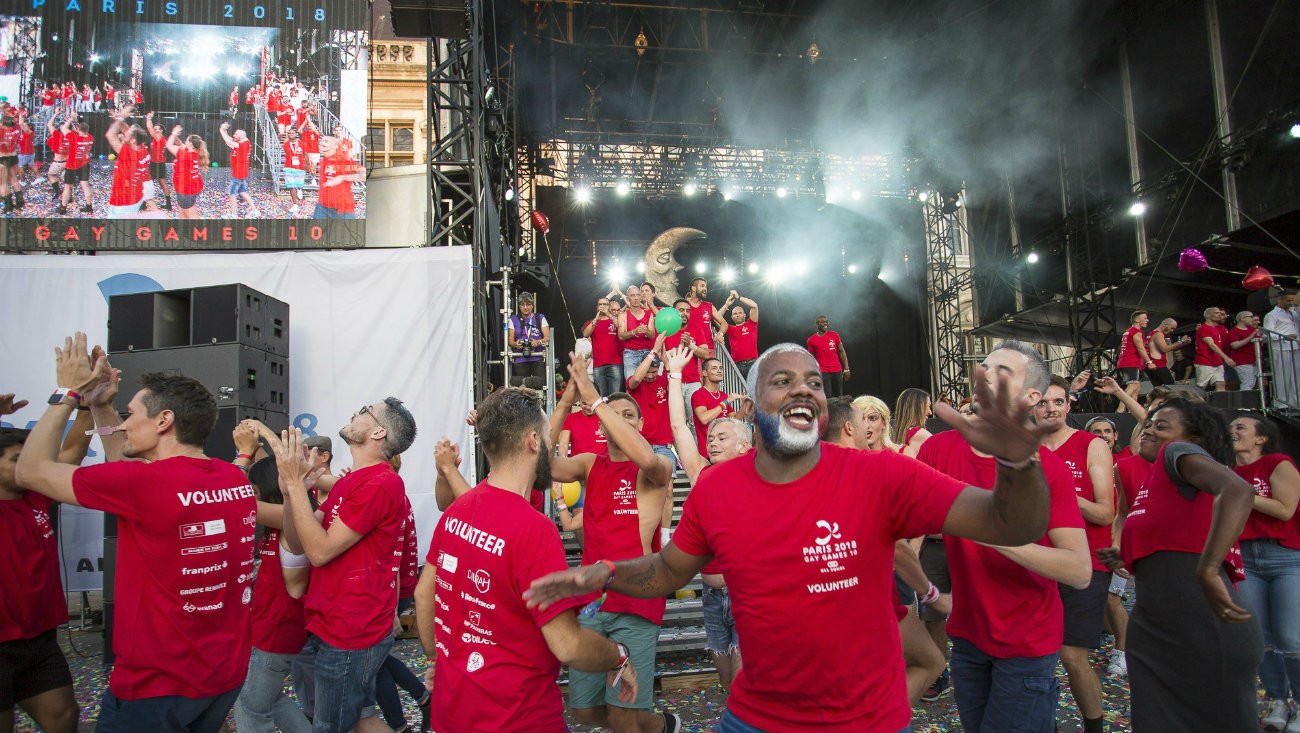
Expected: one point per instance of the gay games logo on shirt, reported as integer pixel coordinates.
(832, 531)
(475, 662)
(481, 580)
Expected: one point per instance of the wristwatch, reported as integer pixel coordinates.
(61, 394)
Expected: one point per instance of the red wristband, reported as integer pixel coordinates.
(612, 571)
(243, 455)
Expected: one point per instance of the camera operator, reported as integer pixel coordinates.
(528, 333)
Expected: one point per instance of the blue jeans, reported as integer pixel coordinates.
(345, 683)
(170, 714)
(1272, 593)
(392, 674)
(667, 452)
(732, 724)
(304, 680)
(631, 360)
(993, 695)
(609, 379)
(262, 706)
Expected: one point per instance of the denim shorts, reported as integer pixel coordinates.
(325, 212)
(169, 714)
(719, 624)
(641, 637)
(294, 178)
(185, 201)
(237, 186)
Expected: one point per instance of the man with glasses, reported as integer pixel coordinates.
(353, 545)
(606, 349)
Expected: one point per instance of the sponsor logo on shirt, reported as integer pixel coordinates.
(447, 562)
(443, 605)
(478, 601)
(215, 496)
(203, 570)
(481, 580)
(441, 624)
(475, 662)
(469, 638)
(203, 529)
(251, 519)
(191, 608)
(204, 589)
(205, 548)
(248, 596)
(475, 618)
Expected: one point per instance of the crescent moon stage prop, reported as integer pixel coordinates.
(661, 265)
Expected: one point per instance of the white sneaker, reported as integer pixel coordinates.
(1118, 664)
(293, 210)
(1276, 718)
(1294, 725)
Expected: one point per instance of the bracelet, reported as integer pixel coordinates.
(674, 375)
(930, 596)
(622, 657)
(1017, 465)
(83, 408)
(249, 456)
(612, 571)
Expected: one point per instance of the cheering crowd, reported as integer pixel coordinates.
(853, 563)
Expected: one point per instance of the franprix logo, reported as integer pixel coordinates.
(208, 569)
(832, 531)
(481, 580)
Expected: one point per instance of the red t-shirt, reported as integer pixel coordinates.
(820, 566)
(158, 150)
(26, 142)
(700, 324)
(1074, 452)
(31, 564)
(234, 97)
(184, 567)
(1158, 357)
(187, 179)
(706, 399)
(743, 341)
(130, 171)
(1204, 356)
(612, 530)
(352, 598)
(338, 196)
(310, 137)
(47, 98)
(293, 155)
(494, 670)
(1244, 355)
(77, 146)
(651, 395)
(273, 103)
(239, 159)
(690, 372)
(584, 434)
(9, 140)
(639, 342)
(1166, 517)
(606, 349)
(1260, 525)
(55, 142)
(825, 347)
(1129, 358)
(278, 626)
(1004, 609)
(410, 544)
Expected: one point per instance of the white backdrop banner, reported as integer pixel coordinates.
(363, 325)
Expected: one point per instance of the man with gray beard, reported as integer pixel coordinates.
(810, 578)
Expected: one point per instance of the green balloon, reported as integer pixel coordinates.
(668, 321)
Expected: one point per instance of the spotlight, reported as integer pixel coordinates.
(94, 58)
(1295, 130)
(773, 275)
(729, 193)
(701, 267)
(623, 188)
(857, 195)
(616, 275)
(1137, 209)
(582, 194)
(689, 189)
(923, 196)
(727, 275)
(1031, 258)
(753, 268)
(640, 266)
(853, 269)
(118, 70)
(510, 194)
(781, 192)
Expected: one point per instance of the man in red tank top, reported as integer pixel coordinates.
(622, 509)
(1089, 460)
(158, 160)
(606, 349)
(636, 330)
(742, 332)
(241, 148)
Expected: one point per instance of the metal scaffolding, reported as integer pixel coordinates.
(945, 281)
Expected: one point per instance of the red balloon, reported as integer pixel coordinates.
(1257, 278)
(540, 222)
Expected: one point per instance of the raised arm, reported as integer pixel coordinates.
(450, 485)
(1108, 385)
(116, 134)
(683, 441)
(654, 468)
(753, 308)
(173, 140)
(643, 369)
(225, 135)
(302, 527)
(76, 443)
(568, 398)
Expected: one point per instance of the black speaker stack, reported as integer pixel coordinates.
(233, 339)
(430, 18)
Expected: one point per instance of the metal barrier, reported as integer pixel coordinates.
(732, 380)
(1284, 361)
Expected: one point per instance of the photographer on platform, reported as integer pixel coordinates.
(527, 333)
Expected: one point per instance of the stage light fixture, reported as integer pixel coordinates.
(856, 194)
(623, 188)
(689, 189)
(701, 267)
(1031, 258)
(1137, 209)
(616, 275)
(510, 194)
(923, 196)
(853, 269)
(781, 191)
(582, 194)
(1295, 130)
(773, 275)
(118, 70)
(94, 58)
(753, 268)
(727, 275)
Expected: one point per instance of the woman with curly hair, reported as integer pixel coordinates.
(1270, 549)
(1192, 648)
(911, 410)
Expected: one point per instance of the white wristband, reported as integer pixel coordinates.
(674, 375)
(292, 559)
